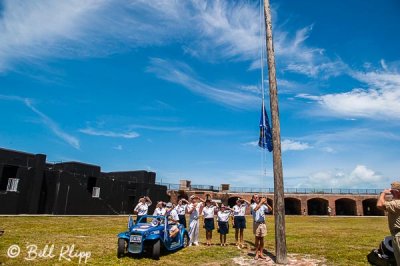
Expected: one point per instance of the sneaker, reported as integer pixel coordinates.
(190, 245)
(222, 245)
(196, 243)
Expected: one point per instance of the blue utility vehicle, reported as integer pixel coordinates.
(149, 235)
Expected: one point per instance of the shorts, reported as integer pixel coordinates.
(239, 222)
(223, 228)
(209, 224)
(259, 229)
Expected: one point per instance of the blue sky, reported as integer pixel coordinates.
(174, 87)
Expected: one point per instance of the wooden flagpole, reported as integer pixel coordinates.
(279, 202)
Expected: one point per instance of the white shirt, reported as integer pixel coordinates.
(159, 211)
(223, 216)
(239, 210)
(208, 212)
(181, 209)
(174, 215)
(259, 215)
(142, 208)
(195, 214)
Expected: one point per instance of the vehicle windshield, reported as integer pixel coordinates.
(152, 220)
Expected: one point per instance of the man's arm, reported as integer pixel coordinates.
(247, 202)
(149, 201)
(184, 200)
(268, 206)
(190, 209)
(381, 200)
(262, 201)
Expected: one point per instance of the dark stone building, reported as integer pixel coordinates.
(30, 185)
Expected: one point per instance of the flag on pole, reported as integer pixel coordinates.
(265, 140)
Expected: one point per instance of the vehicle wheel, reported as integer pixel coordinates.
(156, 250)
(121, 247)
(185, 240)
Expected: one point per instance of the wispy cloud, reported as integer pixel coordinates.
(185, 130)
(47, 121)
(296, 56)
(182, 74)
(379, 100)
(106, 133)
(34, 31)
(331, 140)
(118, 148)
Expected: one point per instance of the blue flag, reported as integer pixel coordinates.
(265, 140)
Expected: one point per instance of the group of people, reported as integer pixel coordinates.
(210, 210)
(197, 206)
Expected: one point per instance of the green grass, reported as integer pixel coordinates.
(340, 240)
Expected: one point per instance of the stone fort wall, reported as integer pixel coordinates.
(297, 204)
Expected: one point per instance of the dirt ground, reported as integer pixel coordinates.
(293, 259)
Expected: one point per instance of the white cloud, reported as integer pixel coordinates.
(181, 73)
(227, 30)
(47, 121)
(106, 133)
(291, 145)
(359, 177)
(381, 100)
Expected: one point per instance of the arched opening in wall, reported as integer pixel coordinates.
(317, 206)
(270, 203)
(292, 206)
(345, 207)
(370, 209)
(232, 201)
(182, 195)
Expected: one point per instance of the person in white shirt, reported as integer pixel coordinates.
(173, 220)
(223, 223)
(142, 208)
(259, 208)
(209, 211)
(181, 209)
(194, 209)
(160, 209)
(239, 220)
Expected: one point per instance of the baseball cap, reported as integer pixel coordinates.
(395, 185)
